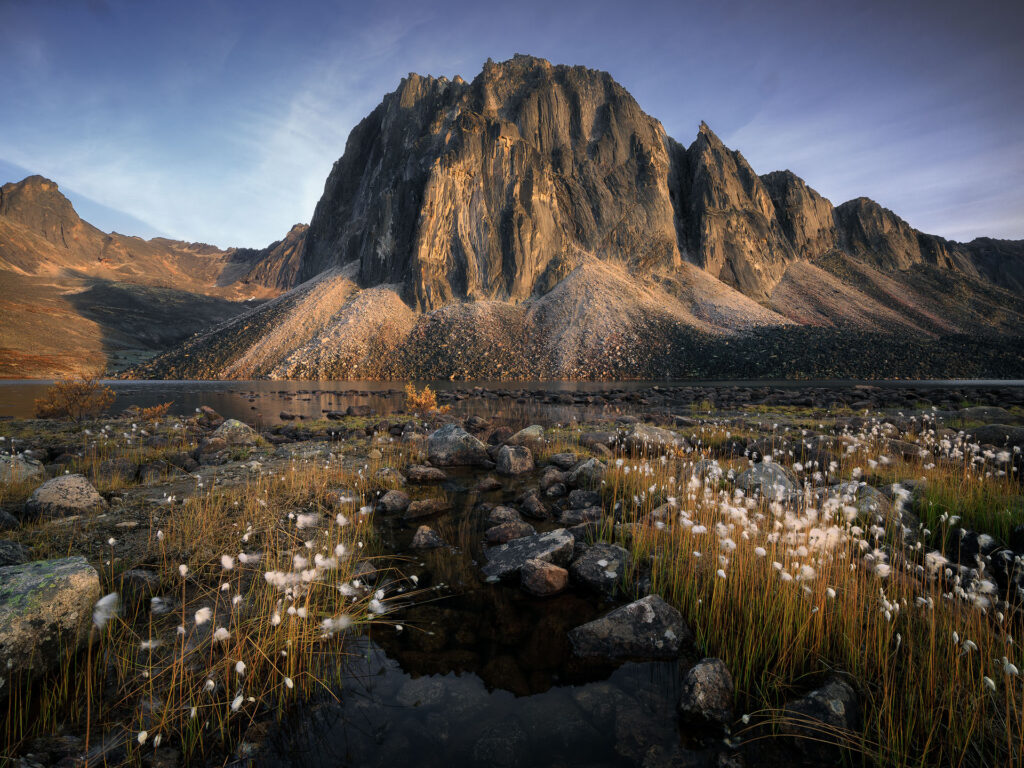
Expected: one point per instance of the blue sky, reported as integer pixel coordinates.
(219, 121)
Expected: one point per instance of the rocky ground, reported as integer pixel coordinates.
(537, 557)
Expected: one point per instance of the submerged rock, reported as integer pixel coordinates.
(504, 561)
(426, 508)
(649, 628)
(506, 532)
(45, 608)
(418, 473)
(426, 538)
(394, 502)
(64, 496)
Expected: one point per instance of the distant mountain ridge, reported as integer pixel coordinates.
(76, 299)
(535, 222)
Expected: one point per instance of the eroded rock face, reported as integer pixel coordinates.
(45, 606)
(649, 628)
(63, 496)
(485, 190)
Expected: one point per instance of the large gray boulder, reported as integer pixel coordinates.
(45, 608)
(707, 692)
(833, 708)
(506, 560)
(235, 432)
(643, 438)
(999, 435)
(649, 628)
(514, 460)
(64, 496)
(529, 436)
(589, 474)
(452, 446)
(12, 553)
(18, 468)
(767, 478)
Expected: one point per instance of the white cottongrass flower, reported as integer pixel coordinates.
(183, 570)
(148, 645)
(341, 520)
(989, 683)
(104, 610)
(209, 686)
(338, 623)
(221, 635)
(203, 615)
(760, 551)
(720, 573)
(307, 520)
(111, 541)
(1009, 668)
(240, 668)
(289, 683)
(227, 562)
(141, 738)
(236, 703)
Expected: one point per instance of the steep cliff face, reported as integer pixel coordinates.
(477, 190)
(277, 265)
(807, 218)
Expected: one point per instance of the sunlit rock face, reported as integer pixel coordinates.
(490, 189)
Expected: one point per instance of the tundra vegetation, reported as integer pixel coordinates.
(799, 546)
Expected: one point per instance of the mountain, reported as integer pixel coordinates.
(74, 299)
(536, 223)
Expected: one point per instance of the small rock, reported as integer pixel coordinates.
(426, 508)
(649, 628)
(768, 478)
(138, 585)
(589, 474)
(418, 473)
(426, 538)
(571, 517)
(506, 532)
(488, 484)
(707, 692)
(64, 496)
(374, 454)
(563, 460)
(394, 502)
(645, 439)
(514, 460)
(542, 578)
(499, 515)
(532, 505)
(579, 499)
(601, 567)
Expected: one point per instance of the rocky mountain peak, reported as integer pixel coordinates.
(38, 204)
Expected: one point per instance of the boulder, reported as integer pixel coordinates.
(707, 692)
(394, 502)
(601, 566)
(649, 628)
(426, 538)
(542, 578)
(528, 436)
(499, 515)
(426, 508)
(572, 516)
(18, 468)
(836, 706)
(12, 553)
(45, 608)
(767, 478)
(532, 505)
(643, 438)
(8, 522)
(235, 432)
(580, 499)
(514, 460)
(589, 474)
(418, 473)
(563, 460)
(552, 476)
(452, 446)
(506, 532)
(138, 585)
(488, 484)
(504, 561)
(64, 496)
(999, 435)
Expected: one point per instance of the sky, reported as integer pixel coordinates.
(218, 121)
